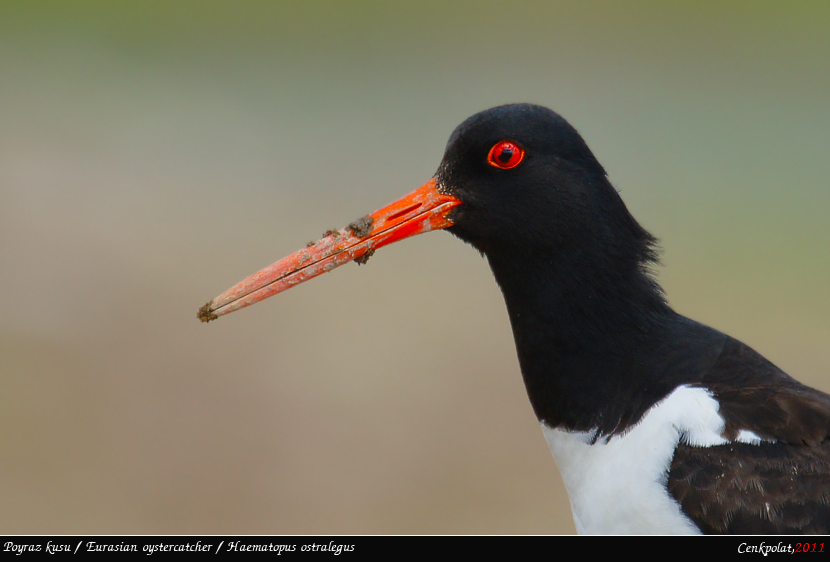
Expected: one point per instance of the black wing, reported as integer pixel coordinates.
(781, 485)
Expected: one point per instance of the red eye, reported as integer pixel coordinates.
(505, 155)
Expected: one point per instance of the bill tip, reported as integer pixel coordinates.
(206, 313)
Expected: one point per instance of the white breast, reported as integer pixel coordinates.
(617, 485)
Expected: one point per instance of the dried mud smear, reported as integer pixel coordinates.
(362, 227)
(206, 313)
(365, 257)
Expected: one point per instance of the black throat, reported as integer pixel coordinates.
(597, 343)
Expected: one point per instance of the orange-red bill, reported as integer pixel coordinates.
(422, 210)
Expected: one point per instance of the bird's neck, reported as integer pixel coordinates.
(587, 327)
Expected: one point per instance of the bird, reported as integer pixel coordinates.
(658, 424)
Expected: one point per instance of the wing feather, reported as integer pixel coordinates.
(781, 485)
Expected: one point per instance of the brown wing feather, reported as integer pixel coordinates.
(771, 488)
(779, 486)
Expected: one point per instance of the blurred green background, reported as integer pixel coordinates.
(154, 153)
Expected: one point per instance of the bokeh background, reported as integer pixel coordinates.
(153, 153)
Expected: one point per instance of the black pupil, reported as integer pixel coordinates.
(505, 155)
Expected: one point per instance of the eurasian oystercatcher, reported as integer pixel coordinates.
(659, 424)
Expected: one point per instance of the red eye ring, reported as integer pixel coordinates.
(505, 155)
